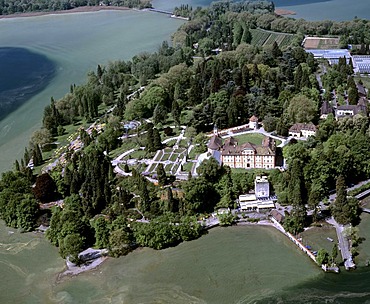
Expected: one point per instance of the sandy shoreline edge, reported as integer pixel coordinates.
(81, 9)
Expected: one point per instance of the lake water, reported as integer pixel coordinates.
(233, 265)
(22, 75)
(245, 264)
(73, 44)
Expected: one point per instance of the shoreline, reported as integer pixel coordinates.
(71, 271)
(81, 9)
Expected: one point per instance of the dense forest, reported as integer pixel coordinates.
(187, 84)
(8, 7)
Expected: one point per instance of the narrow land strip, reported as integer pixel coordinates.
(81, 9)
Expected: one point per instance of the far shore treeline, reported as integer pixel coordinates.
(187, 84)
(8, 7)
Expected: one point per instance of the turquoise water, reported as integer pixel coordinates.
(75, 44)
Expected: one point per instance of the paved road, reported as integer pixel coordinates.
(342, 240)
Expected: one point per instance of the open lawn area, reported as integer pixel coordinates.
(366, 202)
(187, 167)
(138, 154)
(365, 80)
(316, 237)
(127, 144)
(253, 138)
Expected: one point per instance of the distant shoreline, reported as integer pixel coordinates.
(81, 9)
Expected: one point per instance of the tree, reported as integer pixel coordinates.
(322, 257)
(70, 246)
(340, 201)
(37, 156)
(189, 228)
(210, 169)
(200, 196)
(226, 219)
(161, 175)
(150, 139)
(334, 253)
(176, 112)
(159, 114)
(101, 232)
(352, 96)
(157, 142)
(160, 233)
(45, 188)
(352, 91)
(27, 213)
(301, 109)
(120, 242)
(40, 137)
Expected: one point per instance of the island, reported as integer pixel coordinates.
(247, 117)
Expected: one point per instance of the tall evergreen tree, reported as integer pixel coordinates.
(157, 143)
(161, 175)
(339, 208)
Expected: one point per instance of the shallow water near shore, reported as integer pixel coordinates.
(242, 264)
(228, 265)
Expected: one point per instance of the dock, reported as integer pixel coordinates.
(160, 11)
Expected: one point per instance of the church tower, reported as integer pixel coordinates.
(215, 130)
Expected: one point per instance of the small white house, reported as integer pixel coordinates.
(253, 122)
(302, 130)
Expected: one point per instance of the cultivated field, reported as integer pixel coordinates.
(322, 43)
(262, 38)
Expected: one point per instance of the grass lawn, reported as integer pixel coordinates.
(365, 80)
(159, 156)
(238, 170)
(253, 138)
(138, 154)
(183, 143)
(165, 157)
(174, 168)
(179, 151)
(316, 237)
(187, 167)
(168, 168)
(192, 154)
(366, 202)
(174, 157)
(171, 142)
(127, 144)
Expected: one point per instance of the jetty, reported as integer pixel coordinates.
(160, 11)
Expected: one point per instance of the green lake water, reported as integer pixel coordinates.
(228, 265)
(75, 43)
